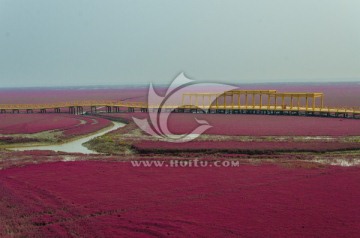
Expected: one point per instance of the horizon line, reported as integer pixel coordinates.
(139, 85)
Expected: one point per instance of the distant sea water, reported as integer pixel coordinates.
(336, 94)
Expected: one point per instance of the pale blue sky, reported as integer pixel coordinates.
(97, 42)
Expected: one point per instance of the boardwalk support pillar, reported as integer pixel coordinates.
(79, 110)
(71, 110)
(93, 109)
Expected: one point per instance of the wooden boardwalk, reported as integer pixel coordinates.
(233, 102)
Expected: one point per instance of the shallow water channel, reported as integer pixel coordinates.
(74, 146)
